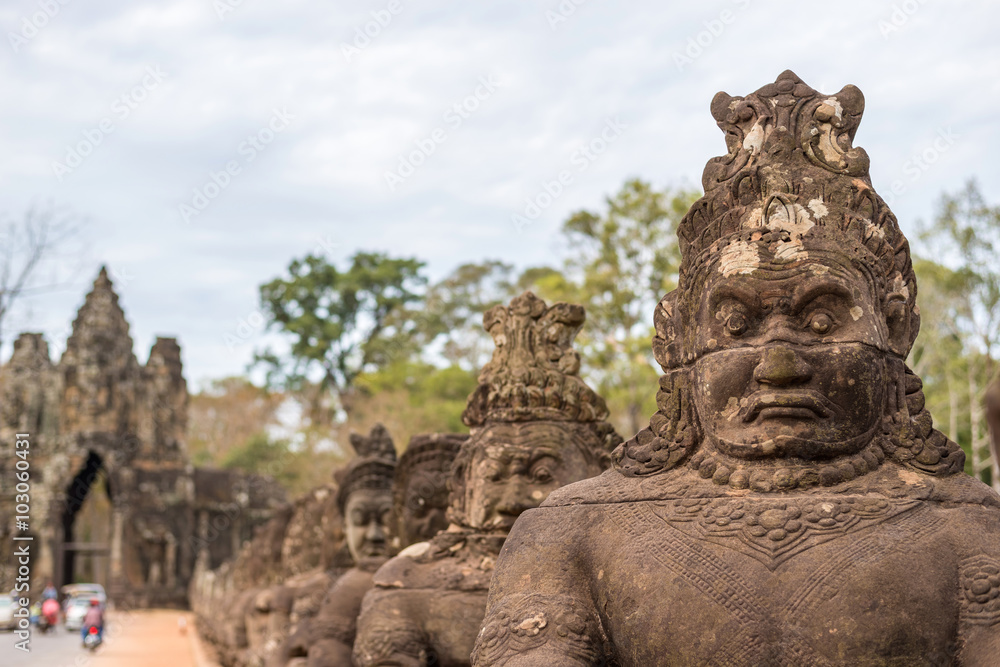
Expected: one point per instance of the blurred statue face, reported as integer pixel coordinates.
(367, 516)
(792, 361)
(424, 506)
(516, 466)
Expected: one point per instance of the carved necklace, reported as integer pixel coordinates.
(782, 476)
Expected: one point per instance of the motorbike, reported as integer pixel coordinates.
(43, 624)
(49, 616)
(92, 639)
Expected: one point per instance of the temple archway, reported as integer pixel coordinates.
(86, 525)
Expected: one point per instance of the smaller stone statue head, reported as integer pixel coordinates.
(421, 486)
(365, 495)
(535, 424)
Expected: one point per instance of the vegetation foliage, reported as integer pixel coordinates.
(378, 341)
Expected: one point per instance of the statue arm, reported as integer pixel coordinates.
(540, 611)
(388, 634)
(979, 600)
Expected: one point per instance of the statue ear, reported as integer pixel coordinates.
(902, 317)
(901, 322)
(666, 322)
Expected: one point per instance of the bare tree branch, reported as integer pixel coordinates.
(30, 242)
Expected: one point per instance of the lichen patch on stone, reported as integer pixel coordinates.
(755, 138)
(533, 624)
(739, 257)
(818, 208)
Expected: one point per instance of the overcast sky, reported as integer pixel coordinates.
(121, 112)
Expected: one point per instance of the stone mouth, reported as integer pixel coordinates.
(765, 405)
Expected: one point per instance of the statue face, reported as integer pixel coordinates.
(515, 467)
(424, 507)
(792, 359)
(366, 523)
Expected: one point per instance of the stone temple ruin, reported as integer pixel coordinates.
(101, 423)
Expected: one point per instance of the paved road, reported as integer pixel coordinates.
(136, 639)
(58, 648)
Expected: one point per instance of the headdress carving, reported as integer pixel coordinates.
(791, 184)
(534, 372)
(374, 466)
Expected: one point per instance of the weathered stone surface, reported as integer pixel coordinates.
(790, 502)
(420, 490)
(295, 588)
(98, 413)
(365, 499)
(249, 607)
(536, 426)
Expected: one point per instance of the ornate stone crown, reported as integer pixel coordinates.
(534, 372)
(374, 467)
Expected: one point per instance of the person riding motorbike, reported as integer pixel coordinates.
(50, 592)
(50, 613)
(93, 618)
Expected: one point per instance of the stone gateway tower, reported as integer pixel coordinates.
(104, 427)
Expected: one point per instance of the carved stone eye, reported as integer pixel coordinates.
(736, 324)
(820, 323)
(541, 474)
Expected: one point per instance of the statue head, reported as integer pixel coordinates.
(364, 497)
(535, 423)
(421, 486)
(784, 344)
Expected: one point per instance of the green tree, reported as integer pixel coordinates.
(965, 235)
(453, 311)
(260, 454)
(621, 262)
(412, 397)
(340, 324)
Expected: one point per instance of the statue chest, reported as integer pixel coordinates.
(815, 580)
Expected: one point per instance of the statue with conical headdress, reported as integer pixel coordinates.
(535, 427)
(790, 502)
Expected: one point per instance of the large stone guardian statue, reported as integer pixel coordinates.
(536, 426)
(790, 502)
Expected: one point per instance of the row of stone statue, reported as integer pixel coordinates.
(536, 426)
(790, 502)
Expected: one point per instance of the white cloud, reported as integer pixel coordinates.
(323, 177)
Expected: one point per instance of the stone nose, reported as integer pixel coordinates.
(515, 498)
(375, 532)
(781, 366)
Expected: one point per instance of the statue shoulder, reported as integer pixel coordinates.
(410, 569)
(608, 487)
(963, 489)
